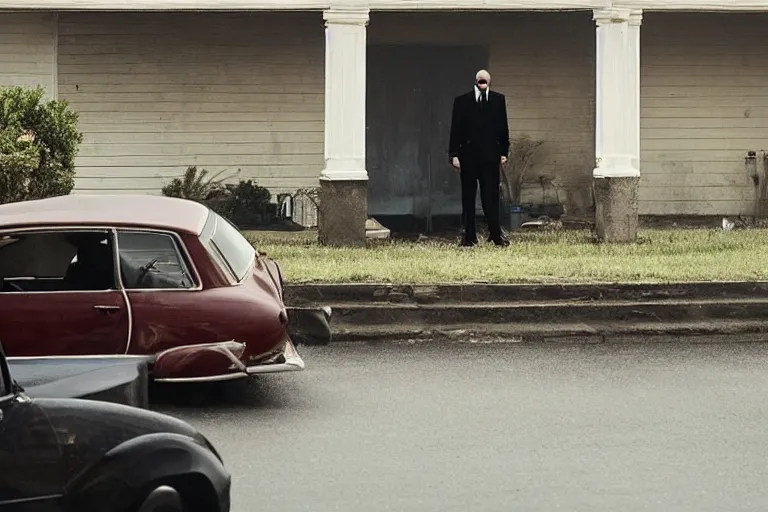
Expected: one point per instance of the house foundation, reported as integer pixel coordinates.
(342, 213)
(616, 208)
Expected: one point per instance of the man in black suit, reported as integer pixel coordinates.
(479, 145)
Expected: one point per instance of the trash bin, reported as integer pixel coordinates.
(516, 215)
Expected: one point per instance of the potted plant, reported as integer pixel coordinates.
(522, 157)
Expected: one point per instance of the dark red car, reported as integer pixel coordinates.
(145, 275)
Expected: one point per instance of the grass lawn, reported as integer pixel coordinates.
(554, 257)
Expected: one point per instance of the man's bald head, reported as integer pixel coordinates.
(483, 79)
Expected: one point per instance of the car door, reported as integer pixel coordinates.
(164, 292)
(59, 294)
(31, 467)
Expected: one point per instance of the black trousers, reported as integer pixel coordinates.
(486, 175)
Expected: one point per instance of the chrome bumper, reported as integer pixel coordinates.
(293, 362)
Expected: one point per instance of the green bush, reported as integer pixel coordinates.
(194, 185)
(38, 145)
(249, 204)
(245, 204)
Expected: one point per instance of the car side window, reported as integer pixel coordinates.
(150, 260)
(57, 261)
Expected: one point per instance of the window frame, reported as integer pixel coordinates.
(181, 251)
(207, 239)
(108, 230)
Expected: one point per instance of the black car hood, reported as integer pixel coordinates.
(88, 429)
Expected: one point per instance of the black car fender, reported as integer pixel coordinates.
(128, 472)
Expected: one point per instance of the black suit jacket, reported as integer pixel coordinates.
(472, 140)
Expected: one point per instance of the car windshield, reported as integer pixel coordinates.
(237, 252)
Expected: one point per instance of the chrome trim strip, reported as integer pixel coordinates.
(33, 500)
(215, 378)
(203, 345)
(293, 363)
(223, 345)
(56, 358)
(129, 309)
(62, 227)
(292, 366)
(40, 292)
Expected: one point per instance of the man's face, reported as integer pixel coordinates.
(482, 80)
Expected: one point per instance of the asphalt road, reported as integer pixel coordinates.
(467, 427)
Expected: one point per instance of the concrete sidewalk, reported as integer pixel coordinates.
(541, 313)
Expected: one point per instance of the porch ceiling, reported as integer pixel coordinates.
(231, 5)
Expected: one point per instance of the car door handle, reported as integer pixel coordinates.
(106, 308)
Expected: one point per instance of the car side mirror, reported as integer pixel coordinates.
(6, 382)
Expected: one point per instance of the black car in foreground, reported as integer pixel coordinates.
(74, 455)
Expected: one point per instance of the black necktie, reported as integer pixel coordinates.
(483, 98)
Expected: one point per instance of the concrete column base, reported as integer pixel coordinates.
(343, 210)
(616, 211)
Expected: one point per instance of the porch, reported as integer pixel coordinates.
(161, 91)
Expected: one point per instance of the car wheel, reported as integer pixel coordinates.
(162, 499)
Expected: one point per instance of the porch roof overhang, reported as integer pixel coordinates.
(380, 5)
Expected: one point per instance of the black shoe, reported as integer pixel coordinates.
(502, 237)
(468, 243)
(501, 242)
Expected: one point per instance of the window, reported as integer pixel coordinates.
(56, 261)
(152, 260)
(237, 252)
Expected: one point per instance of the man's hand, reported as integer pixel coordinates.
(455, 163)
(503, 160)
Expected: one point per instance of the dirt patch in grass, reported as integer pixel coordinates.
(533, 257)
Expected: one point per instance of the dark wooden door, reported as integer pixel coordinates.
(410, 94)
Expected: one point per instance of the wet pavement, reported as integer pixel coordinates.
(467, 427)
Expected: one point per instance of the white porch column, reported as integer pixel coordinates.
(635, 21)
(344, 180)
(616, 176)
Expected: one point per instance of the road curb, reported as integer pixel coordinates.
(321, 294)
(701, 332)
(529, 313)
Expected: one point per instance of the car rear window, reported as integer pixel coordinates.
(237, 252)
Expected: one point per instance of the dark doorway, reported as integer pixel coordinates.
(409, 98)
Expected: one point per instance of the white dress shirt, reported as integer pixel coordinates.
(477, 93)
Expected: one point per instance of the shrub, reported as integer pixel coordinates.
(194, 186)
(522, 157)
(249, 204)
(244, 204)
(38, 145)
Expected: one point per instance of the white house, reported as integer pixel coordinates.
(259, 85)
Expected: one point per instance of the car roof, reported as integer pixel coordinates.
(126, 210)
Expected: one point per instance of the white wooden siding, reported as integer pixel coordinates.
(158, 92)
(704, 105)
(545, 65)
(27, 50)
